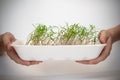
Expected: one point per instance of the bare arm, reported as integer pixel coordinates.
(1, 45)
(115, 33)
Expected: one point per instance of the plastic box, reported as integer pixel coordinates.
(57, 52)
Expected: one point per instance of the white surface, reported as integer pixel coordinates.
(17, 16)
(51, 70)
(57, 52)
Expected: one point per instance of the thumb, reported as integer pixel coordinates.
(103, 37)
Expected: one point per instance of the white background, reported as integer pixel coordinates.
(17, 17)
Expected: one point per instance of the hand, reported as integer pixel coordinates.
(104, 37)
(7, 39)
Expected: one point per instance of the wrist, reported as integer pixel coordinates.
(1, 44)
(111, 34)
(115, 33)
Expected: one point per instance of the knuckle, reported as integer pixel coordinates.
(7, 33)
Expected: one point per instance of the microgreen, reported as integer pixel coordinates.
(74, 34)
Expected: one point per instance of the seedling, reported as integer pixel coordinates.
(74, 34)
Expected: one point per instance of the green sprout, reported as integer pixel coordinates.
(74, 34)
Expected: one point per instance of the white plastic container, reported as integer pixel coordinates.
(57, 52)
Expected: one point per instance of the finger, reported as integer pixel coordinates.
(13, 55)
(106, 50)
(83, 61)
(18, 60)
(104, 54)
(7, 40)
(103, 36)
(12, 39)
(35, 62)
(9, 37)
(92, 61)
